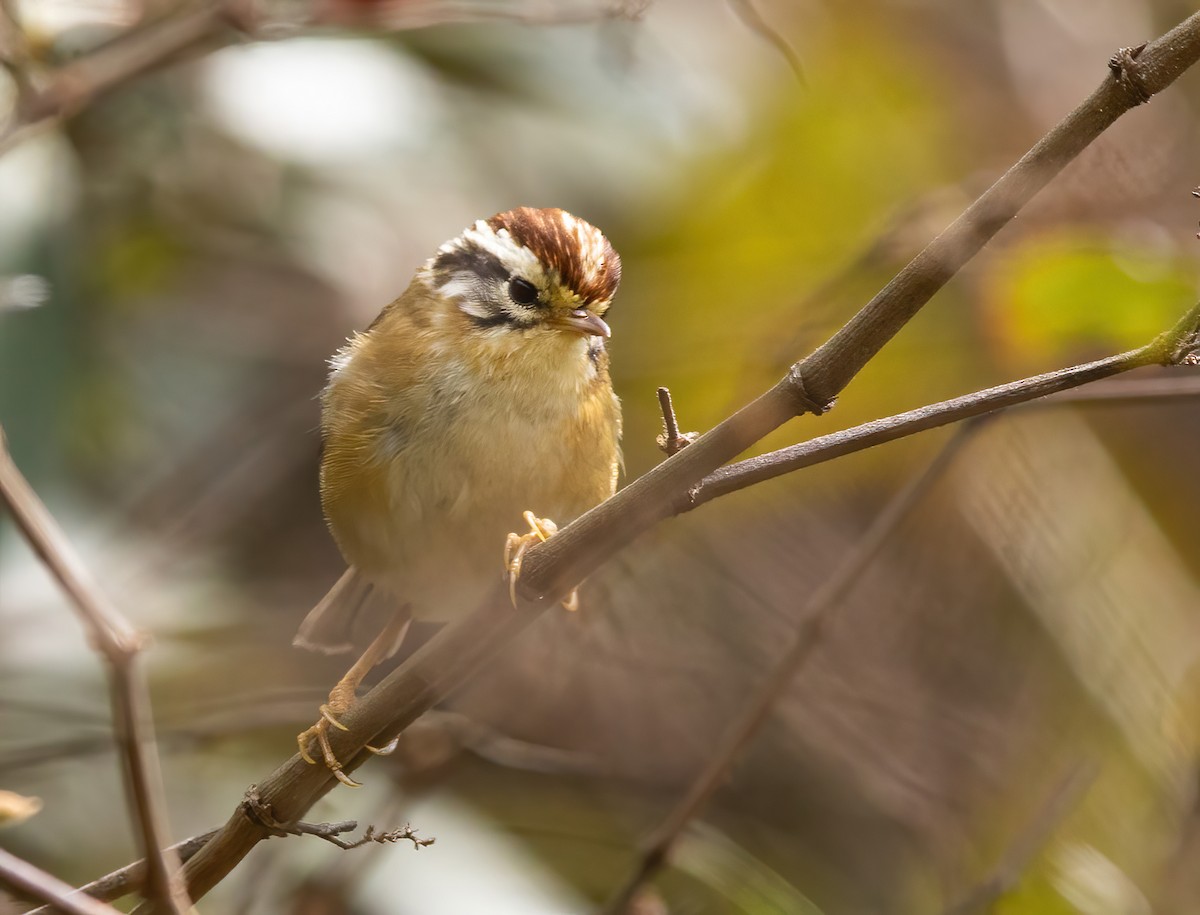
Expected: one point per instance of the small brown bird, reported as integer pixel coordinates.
(479, 396)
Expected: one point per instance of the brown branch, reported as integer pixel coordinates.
(255, 809)
(551, 569)
(815, 618)
(419, 14)
(1164, 350)
(71, 88)
(111, 635)
(671, 440)
(131, 877)
(74, 86)
(34, 883)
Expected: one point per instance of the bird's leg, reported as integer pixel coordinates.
(540, 530)
(343, 696)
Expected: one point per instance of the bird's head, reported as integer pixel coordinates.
(532, 271)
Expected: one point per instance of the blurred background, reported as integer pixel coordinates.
(1004, 709)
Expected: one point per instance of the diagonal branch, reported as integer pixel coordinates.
(553, 568)
(131, 877)
(25, 879)
(1029, 843)
(111, 635)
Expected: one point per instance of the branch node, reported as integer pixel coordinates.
(671, 440)
(1127, 70)
(263, 816)
(804, 402)
(259, 813)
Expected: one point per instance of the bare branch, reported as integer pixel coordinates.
(551, 569)
(22, 877)
(119, 644)
(419, 14)
(77, 84)
(131, 877)
(671, 439)
(1164, 350)
(261, 813)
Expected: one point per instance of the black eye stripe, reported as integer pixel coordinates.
(472, 259)
(499, 319)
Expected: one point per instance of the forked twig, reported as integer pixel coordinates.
(261, 814)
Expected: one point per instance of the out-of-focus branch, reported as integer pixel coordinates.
(131, 877)
(1057, 807)
(68, 90)
(22, 877)
(815, 617)
(551, 569)
(403, 15)
(111, 635)
(746, 11)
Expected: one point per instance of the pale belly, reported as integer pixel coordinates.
(442, 501)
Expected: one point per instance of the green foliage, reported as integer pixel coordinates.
(1055, 296)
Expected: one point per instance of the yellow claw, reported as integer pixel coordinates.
(540, 530)
(320, 731)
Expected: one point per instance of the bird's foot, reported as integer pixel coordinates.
(540, 530)
(320, 733)
(340, 701)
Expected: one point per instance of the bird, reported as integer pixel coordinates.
(479, 398)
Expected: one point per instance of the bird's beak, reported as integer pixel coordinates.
(582, 321)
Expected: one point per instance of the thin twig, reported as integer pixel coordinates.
(74, 86)
(119, 644)
(671, 439)
(370, 836)
(34, 883)
(420, 14)
(815, 617)
(552, 568)
(131, 877)
(262, 814)
(857, 438)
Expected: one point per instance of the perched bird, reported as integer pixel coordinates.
(480, 395)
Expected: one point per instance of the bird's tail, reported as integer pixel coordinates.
(329, 626)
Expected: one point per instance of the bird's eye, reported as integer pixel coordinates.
(522, 291)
